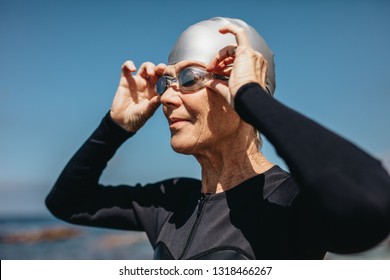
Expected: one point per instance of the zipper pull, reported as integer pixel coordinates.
(201, 203)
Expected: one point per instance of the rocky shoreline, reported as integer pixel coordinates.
(47, 234)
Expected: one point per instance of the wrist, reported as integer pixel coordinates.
(119, 123)
(236, 89)
(109, 132)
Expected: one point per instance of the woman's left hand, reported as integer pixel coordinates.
(241, 63)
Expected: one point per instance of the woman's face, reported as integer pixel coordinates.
(199, 120)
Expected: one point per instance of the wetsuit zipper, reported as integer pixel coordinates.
(201, 203)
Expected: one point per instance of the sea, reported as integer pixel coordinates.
(46, 238)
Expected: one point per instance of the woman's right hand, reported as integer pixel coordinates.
(135, 100)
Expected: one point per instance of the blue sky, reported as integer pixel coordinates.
(60, 64)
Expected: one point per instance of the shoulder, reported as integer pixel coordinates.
(279, 187)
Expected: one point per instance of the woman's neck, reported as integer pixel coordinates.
(225, 169)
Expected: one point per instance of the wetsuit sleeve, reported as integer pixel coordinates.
(344, 205)
(77, 196)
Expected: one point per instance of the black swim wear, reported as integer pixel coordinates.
(337, 197)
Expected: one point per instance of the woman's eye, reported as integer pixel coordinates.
(187, 78)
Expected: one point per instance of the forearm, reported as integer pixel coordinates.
(348, 187)
(307, 147)
(81, 175)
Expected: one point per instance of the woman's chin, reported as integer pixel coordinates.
(181, 146)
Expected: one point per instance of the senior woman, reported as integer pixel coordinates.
(216, 92)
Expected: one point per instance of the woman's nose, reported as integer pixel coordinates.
(171, 97)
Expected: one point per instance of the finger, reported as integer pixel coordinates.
(224, 71)
(224, 66)
(160, 68)
(223, 54)
(155, 101)
(128, 67)
(146, 70)
(239, 32)
(157, 73)
(152, 106)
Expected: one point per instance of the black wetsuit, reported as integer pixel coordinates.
(337, 197)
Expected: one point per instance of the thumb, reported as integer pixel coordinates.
(221, 88)
(154, 103)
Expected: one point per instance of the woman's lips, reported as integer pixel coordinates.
(174, 122)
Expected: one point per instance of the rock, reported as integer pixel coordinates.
(48, 234)
(119, 240)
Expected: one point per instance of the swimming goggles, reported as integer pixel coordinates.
(189, 79)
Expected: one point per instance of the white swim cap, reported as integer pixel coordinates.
(202, 41)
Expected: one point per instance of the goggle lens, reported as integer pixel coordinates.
(189, 79)
(162, 85)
